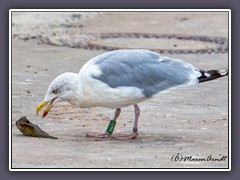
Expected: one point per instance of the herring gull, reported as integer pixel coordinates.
(120, 78)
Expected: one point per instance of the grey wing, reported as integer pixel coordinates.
(145, 70)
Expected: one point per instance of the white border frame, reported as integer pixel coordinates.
(117, 10)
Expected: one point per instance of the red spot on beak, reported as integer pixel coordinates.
(44, 114)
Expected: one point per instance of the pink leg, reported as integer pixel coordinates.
(134, 134)
(105, 134)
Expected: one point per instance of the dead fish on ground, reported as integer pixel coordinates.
(30, 129)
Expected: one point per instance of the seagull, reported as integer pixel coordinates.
(121, 78)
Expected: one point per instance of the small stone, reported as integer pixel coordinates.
(26, 38)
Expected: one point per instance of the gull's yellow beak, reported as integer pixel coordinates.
(43, 104)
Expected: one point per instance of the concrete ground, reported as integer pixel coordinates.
(190, 121)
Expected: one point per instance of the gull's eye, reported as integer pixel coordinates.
(55, 91)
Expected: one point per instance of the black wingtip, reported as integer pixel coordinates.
(212, 74)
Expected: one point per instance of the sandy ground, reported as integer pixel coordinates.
(191, 121)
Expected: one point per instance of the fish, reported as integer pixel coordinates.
(29, 129)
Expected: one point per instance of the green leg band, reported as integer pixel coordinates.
(111, 126)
